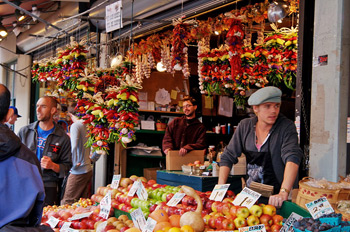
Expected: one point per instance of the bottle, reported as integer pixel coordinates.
(228, 128)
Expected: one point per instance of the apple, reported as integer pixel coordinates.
(256, 210)
(209, 204)
(211, 222)
(90, 224)
(228, 224)
(218, 222)
(277, 219)
(133, 177)
(206, 219)
(125, 182)
(151, 182)
(233, 210)
(124, 229)
(65, 215)
(215, 206)
(276, 228)
(266, 220)
(230, 194)
(240, 222)
(226, 208)
(142, 179)
(269, 209)
(252, 220)
(243, 212)
(107, 228)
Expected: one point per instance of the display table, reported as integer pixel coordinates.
(200, 183)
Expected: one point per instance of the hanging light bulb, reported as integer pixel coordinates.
(160, 67)
(3, 31)
(216, 33)
(116, 60)
(19, 15)
(277, 11)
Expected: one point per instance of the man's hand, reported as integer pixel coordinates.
(278, 199)
(47, 163)
(166, 151)
(182, 152)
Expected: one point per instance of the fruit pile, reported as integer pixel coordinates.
(329, 222)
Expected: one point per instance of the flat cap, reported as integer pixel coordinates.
(267, 94)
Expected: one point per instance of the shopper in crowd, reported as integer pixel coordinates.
(185, 133)
(21, 188)
(80, 176)
(270, 142)
(51, 145)
(13, 112)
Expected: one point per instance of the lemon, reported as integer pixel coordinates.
(186, 228)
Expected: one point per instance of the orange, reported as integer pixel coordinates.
(162, 226)
(175, 220)
(159, 215)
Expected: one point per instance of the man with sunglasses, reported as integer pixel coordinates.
(185, 133)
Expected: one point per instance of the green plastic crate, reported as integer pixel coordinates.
(288, 207)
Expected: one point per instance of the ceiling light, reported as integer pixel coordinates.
(276, 12)
(160, 67)
(3, 31)
(0, 39)
(19, 15)
(35, 12)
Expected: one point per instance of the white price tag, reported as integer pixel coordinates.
(101, 226)
(246, 197)
(288, 225)
(138, 219)
(219, 192)
(105, 205)
(133, 188)
(256, 228)
(66, 226)
(150, 224)
(203, 167)
(53, 222)
(113, 16)
(115, 181)
(319, 207)
(142, 192)
(176, 199)
(80, 216)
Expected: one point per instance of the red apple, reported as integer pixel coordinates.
(266, 220)
(252, 220)
(107, 228)
(228, 224)
(243, 212)
(133, 177)
(226, 208)
(216, 206)
(211, 222)
(240, 222)
(90, 224)
(218, 223)
(277, 219)
(209, 204)
(270, 210)
(65, 215)
(276, 228)
(151, 182)
(152, 208)
(206, 219)
(169, 196)
(125, 182)
(233, 210)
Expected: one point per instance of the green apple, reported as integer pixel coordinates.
(164, 196)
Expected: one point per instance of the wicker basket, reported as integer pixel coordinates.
(308, 193)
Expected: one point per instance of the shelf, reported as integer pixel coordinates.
(161, 112)
(150, 132)
(147, 156)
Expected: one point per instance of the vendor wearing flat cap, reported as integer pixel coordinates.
(270, 143)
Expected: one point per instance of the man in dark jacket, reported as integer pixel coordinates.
(51, 145)
(21, 188)
(185, 133)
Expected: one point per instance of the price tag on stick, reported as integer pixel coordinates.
(138, 219)
(53, 222)
(80, 216)
(288, 225)
(219, 192)
(142, 192)
(150, 224)
(176, 199)
(246, 197)
(133, 188)
(319, 207)
(115, 181)
(256, 228)
(105, 205)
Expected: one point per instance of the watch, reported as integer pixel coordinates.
(284, 190)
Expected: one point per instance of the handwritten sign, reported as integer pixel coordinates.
(134, 188)
(53, 222)
(150, 225)
(113, 16)
(105, 205)
(101, 226)
(219, 192)
(138, 219)
(176, 199)
(288, 225)
(246, 197)
(115, 181)
(256, 228)
(80, 216)
(319, 207)
(142, 192)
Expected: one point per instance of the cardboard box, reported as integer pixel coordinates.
(239, 168)
(150, 173)
(175, 162)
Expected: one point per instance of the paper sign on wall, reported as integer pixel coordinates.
(115, 181)
(256, 228)
(113, 16)
(319, 207)
(105, 205)
(138, 219)
(219, 192)
(246, 197)
(176, 199)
